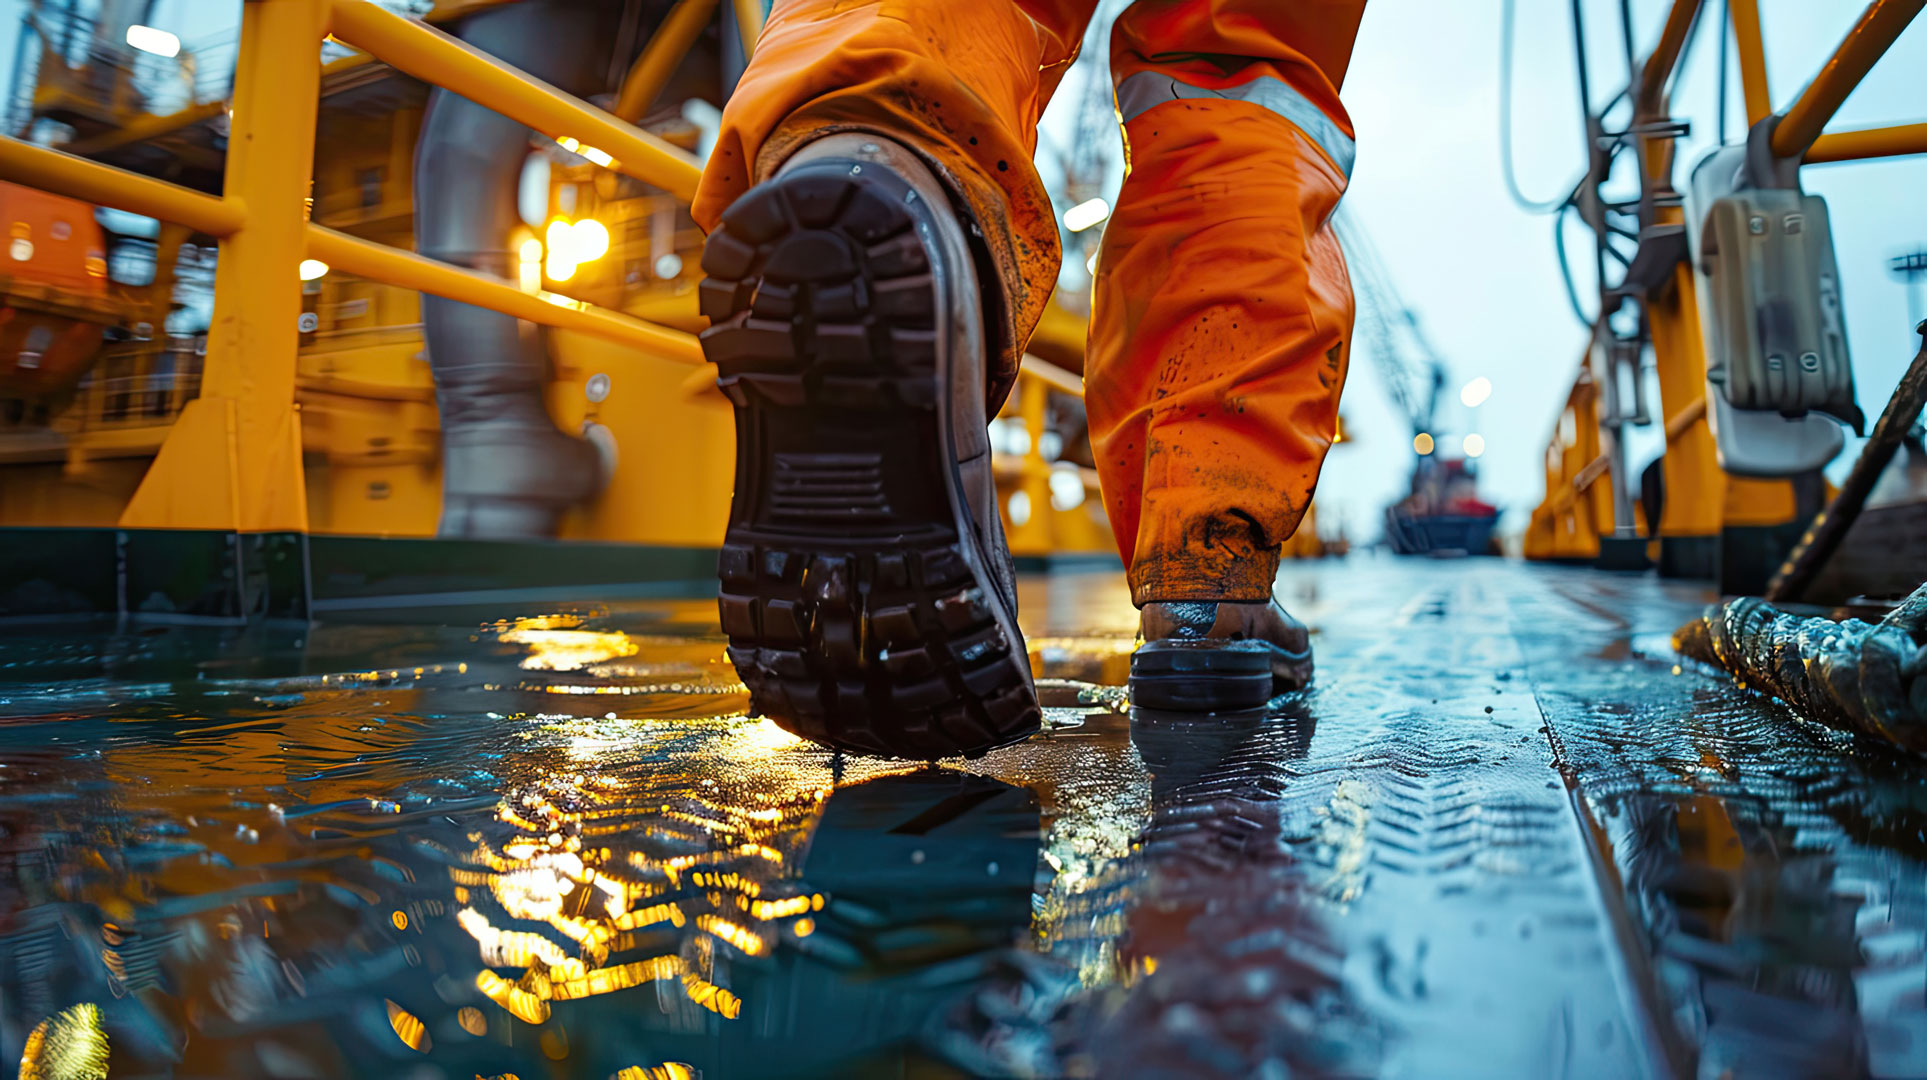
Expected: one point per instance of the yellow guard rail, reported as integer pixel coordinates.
(233, 460)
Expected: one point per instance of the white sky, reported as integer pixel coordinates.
(1423, 94)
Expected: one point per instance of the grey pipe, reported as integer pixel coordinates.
(507, 473)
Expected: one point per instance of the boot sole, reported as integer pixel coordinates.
(1188, 675)
(859, 606)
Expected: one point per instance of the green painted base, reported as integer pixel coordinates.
(174, 575)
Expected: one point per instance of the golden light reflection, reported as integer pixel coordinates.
(668, 1070)
(472, 1020)
(408, 1028)
(595, 863)
(569, 650)
(69, 1045)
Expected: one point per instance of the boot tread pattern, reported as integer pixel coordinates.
(853, 614)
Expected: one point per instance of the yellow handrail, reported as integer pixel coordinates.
(51, 170)
(666, 49)
(407, 270)
(1895, 141)
(441, 60)
(1752, 58)
(1665, 56)
(1869, 39)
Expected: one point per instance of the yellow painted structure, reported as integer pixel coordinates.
(311, 407)
(1701, 499)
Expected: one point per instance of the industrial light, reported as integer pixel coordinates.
(1066, 487)
(591, 239)
(1474, 445)
(1086, 214)
(152, 39)
(572, 243)
(312, 269)
(1422, 443)
(1019, 509)
(1475, 392)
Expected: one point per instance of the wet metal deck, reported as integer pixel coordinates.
(1503, 836)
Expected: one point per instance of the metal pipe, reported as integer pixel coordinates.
(51, 170)
(441, 60)
(665, 51)
(1810, 555)
(507, 471)
(1659, 66)
(1863, 46)
(1894, 141)
(379, 262)
(1752, 55)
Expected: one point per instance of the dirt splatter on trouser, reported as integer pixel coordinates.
(1222, 314)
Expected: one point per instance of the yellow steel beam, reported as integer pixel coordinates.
(1659, 66)
(408, 270)
(660, 58)
(749, 23)
(64, 174)
(436, 58)
(1869, 143)
(1879, 25)
(233, 459)
(1752, 56)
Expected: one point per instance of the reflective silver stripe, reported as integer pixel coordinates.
(1149, 88)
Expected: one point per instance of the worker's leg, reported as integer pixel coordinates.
(1222, 314)
(879, 250)
(960, 82)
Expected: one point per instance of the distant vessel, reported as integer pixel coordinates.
(1444, 514)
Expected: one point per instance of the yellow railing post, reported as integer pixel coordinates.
(233, 460)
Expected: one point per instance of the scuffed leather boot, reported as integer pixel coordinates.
(866, 589)
(1200, 656)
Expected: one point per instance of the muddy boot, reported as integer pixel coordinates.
(1211, 657)
(866, 589)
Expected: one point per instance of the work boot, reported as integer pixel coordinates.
(866, 588)
(1200, 656)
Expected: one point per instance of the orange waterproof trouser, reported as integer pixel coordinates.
(1221, 317)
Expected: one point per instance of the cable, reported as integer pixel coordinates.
(1532, 206)
(1565, 266)
(1726, 37)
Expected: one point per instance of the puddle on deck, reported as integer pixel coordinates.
(1501, 837)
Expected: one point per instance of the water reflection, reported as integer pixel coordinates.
(557, 848)
(1237, 970)
(412, 870)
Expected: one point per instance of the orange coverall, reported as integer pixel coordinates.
(1222, 314)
